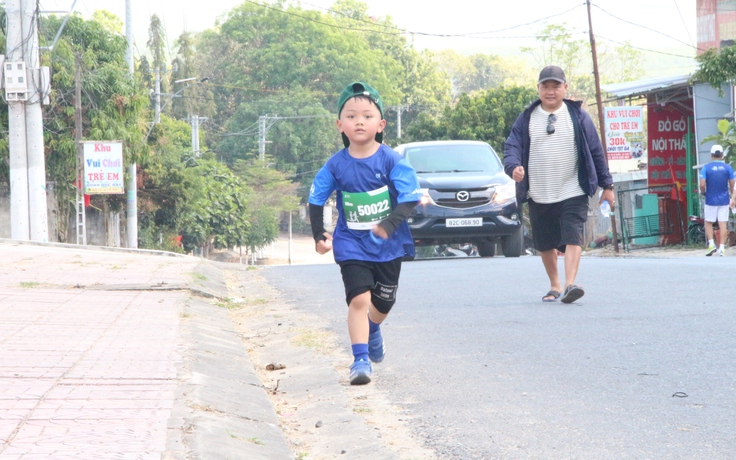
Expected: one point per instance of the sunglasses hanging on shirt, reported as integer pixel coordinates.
(550, 123)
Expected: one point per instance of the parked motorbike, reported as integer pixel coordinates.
(696, 230)
(443, 250)
(469, 249)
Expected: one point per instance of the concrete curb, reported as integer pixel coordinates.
(92, 248)
(221, 409)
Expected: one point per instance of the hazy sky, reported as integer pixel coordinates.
(490, 26)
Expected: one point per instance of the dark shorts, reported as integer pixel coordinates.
(556, 225)
(380, 278)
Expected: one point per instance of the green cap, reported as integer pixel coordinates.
(360, 89)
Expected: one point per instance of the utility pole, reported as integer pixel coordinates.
(81, 219)
(263, 132)
(132, 188)
(194, 123)
(18, 161)
(37, 207)
(399, 109)
(601, 116)
(262, 138)
(157, 95)
(24, 93)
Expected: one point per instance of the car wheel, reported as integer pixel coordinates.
(513, 244)
(486, 248)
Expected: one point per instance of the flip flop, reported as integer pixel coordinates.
(554, 294)
(572, 293)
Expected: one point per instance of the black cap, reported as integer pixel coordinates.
(552, 72)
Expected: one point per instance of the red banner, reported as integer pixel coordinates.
(666, 129)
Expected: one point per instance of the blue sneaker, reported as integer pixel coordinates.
(360, 372)
(376, 350)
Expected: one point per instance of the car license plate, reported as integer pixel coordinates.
(469, 222)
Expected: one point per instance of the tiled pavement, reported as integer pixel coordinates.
(107, 355)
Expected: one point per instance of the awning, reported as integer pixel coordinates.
(647, 86)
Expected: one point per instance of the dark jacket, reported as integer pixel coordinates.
(592, 167)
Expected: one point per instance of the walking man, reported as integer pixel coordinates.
(556, 158)
(716, 179)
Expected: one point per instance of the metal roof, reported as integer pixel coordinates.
(641, 87)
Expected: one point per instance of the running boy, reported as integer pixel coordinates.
(376, 191)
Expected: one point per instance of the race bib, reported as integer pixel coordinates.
(363, 210)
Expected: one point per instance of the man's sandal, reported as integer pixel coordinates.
(551, 296)
(572, 293)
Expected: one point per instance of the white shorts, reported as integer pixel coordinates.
(716, 213)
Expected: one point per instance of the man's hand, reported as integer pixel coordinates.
(518, 174)
(324, 246)
(608, 195)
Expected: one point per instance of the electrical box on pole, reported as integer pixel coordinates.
(15, 81)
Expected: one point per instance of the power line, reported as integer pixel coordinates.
(643, 49)
(683, 22)
(647, 28)
(467, 35)
(393, 30)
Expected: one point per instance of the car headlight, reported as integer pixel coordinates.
(505, 193)
(426, 199)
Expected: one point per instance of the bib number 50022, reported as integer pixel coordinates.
(363, 210)
(375, 208)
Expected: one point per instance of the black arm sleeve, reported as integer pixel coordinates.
(316, 219)
(397, 216)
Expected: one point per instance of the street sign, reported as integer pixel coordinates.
(103, 167)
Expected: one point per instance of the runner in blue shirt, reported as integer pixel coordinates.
(716, 180)
(376, 191)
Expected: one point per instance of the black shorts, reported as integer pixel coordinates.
(380, 278)
(556, 225)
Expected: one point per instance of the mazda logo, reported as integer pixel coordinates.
(462, 196)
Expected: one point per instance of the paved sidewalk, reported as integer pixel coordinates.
(124, 354)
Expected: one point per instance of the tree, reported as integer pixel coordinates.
(484, 116)
(275, 60)
(198, 97)
(726, 138)
(717, 66)
(622, 65)
(212, 206)
(477, 72)
(458, 68)
(114, 104)
(270, 193)
(158, 193)
(298, 142)
(558, 47)
(157, 43)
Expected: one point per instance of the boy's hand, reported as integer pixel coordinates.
(380, 232)
(324, 246)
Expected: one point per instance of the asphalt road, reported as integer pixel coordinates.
(641, 367)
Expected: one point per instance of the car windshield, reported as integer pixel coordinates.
(453, 158)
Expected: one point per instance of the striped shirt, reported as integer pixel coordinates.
(553, 158)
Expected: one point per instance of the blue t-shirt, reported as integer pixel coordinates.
(368, 179)
(716, 174)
